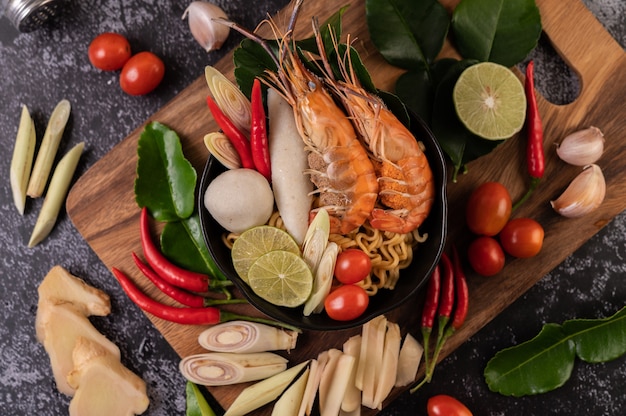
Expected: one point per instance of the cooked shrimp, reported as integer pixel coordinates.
(339, 164)
(406, 184)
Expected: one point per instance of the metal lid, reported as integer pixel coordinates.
(29, 15)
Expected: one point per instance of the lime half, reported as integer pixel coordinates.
(281, 278)
(490, 101)
(257, 241)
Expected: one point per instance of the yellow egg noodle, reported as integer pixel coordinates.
(389, 252)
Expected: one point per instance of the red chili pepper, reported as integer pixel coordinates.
(186, 316)
(239, 141)
(535, 158)
(258, 133)
(447, 290)
(186, 298)
(432, 298)
(462, 292)
(171, 273)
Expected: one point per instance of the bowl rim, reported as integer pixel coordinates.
(438, 165)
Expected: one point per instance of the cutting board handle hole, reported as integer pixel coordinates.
(555, 80)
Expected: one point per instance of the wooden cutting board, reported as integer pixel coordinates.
(112, 229)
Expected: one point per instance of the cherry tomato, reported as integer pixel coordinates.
(444, 405)
(109, 51)
(488, 209)
(142, 73)
(346, 303)
(522, 237)
(352, 266)
(485, 255)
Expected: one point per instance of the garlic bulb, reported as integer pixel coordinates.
(583, 195)
(582, 147)
(209, 33)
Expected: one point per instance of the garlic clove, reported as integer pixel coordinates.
(210, 34)
(582, 147)
(583, 195)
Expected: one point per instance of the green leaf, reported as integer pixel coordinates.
(408, 34)
(165, 181)
(501, 31)
(196, 403)
(546, 361)
(251, 60)
(417, 91)
(536, 366)
(182, 242)
(598, 340)
(331, 27)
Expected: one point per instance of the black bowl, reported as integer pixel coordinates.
(411, 279)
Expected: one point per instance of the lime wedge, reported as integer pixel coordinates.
(490, 101)
(281, 278)
(257, 241)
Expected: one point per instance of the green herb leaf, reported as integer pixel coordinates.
(408, 34)
(598, 340)
(196, 403)
(545, 362)
(501, 31)
(165, 181)
(536, 366)
(183, 243)
(251, 60)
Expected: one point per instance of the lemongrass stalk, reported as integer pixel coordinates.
(229, 98)
(222, 369)
(48, 149)
(246, 337)
(59, 185)
(263, 392)
(22, 160)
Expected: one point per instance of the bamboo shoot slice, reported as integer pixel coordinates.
(408, 361)
(290, 401)
(341, 377)
(48, 149)
(22, 160)
(352, 398)
(263, 392)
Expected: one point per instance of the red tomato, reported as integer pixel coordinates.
(444, 405)
(522, 237)
(488, 209)
(485, 255)
(142, 73)
(346, 303)
(352, 266)
(109, 51)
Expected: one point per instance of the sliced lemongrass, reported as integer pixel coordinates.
(229, 98)
(22, 160)
(263, 392)
(222, 369)
(316, 239)
(246, 337)
(322, 281)
(48, 149)
(59, 185)
(222, 149)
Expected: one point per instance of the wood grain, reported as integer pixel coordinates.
(112, 229)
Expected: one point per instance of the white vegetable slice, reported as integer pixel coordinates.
(229, 98)
(22, 160)
(409, 361)
(292, 188)
(389, 367)
(290, 401)
(352, 398)
(370, 358)
(338, 384)
(313, 383)
(327, 377)
(322, 281)
(263, 392)
(222, 149)
(222, 368)
(246, 337)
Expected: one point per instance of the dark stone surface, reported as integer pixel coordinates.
(40, 68)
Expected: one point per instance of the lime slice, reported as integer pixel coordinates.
(257, 241)
(490, 101)
(281, 278)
